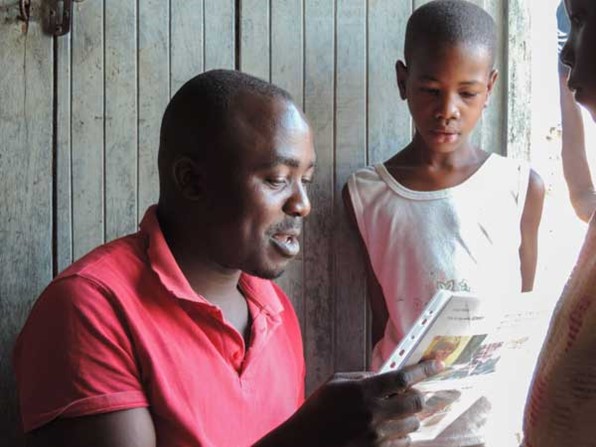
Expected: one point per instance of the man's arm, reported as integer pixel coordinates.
(357, 407)
(530, 221)
(376, 298)
(87, 392)
(127, 428)
(573, 152)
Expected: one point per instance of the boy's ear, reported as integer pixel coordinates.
(188, 178)
(492, 79)
(401, 72)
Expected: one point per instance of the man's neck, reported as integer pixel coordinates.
(207, 278)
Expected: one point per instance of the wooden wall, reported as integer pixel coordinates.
(79, 120)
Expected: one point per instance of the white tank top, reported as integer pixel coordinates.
(466, 237)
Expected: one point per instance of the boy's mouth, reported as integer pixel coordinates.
(444, 136)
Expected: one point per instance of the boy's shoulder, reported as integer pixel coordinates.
(508, 162)
(366, 176)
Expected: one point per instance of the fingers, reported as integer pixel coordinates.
(397, 428)
(401, 380)
(400, 442)
(396, 406)
(397, 442)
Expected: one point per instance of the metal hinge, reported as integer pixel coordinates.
(60, 17)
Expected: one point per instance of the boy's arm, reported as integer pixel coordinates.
(573, 152)
(530, 221)
(376, 298)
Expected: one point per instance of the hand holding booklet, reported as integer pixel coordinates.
(489, 346)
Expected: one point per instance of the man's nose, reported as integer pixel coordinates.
(567, 56)
(298, 204)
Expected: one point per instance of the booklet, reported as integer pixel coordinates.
(489, 345)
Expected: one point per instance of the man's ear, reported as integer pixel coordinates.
(492, 80)
(401, 73)
(188, 178)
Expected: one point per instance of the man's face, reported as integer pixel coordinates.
(259, 197)
(579, 52)
(446, 87)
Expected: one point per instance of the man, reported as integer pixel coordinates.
(175, 336)
(562, 404)
(573, 150)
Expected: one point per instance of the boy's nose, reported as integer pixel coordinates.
(298, 204)
(448, 109)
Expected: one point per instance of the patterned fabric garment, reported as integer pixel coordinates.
(561, 409)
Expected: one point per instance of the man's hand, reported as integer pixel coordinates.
(358, 409)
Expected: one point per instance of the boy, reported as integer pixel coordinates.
(443, 213)
(561, 408)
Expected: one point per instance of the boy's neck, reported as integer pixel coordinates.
(420, 154)
(419, 168)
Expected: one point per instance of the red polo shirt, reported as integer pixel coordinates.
(122, 328)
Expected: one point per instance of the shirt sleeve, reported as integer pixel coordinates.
(73, 357)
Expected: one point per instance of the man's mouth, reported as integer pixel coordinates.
(578, 95)
(287, 244)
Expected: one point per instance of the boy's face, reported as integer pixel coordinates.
(579, 52)
(259, 197)
(447, 87)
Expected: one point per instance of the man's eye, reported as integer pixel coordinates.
(307, 182)
(276, 182)
(577, 19)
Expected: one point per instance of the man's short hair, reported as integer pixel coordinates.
(197, 118)
(450, 22)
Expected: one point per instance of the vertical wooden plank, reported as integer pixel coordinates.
(87, 121)
(493, 121)
(389, 126)
(287, 58)
(350, 154)
(479, 132)
(63, 162)
(26, 58)
(153, 91)
(389, 123)
(319, 59)
(255, 42)
(220, 36)
(287, 71)
(519, 80)
(186, 41)
(120, 118)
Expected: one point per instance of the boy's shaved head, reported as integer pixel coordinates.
(450, 22)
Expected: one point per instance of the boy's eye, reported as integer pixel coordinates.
(469, 95)
(430, 91)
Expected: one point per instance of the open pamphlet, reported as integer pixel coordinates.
(489, 346)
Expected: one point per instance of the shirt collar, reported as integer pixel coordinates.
(260, 291)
